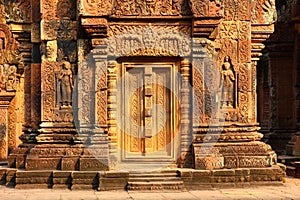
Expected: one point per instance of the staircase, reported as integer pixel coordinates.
(151, 181)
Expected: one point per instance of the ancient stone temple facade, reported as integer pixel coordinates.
(119, 91)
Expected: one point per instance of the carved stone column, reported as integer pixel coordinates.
(112, 111)
(186, 159)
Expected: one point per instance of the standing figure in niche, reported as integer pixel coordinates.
(65, 78)
(228, 79)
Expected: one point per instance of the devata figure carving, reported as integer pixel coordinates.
(65, 84)
(228, 80)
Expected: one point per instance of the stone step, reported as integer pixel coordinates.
(153, 179)
(158, 180)
(137, 175)
(156, 185)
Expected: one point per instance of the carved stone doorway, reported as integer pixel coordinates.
(148, 117)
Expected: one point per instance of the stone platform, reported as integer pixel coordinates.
(162, 180)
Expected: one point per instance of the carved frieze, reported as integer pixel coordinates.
(149, 40)
(120, 8)
(151, 8)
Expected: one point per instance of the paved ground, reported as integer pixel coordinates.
(290, 190)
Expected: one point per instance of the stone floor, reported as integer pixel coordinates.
(289, 190)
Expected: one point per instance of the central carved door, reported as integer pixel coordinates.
(148, 96)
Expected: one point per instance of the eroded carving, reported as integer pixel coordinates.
(18, 10)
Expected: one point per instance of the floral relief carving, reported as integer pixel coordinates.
(48, 90)
(149, 41)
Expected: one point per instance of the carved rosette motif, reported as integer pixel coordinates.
(149, 41)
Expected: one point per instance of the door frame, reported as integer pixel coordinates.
(174, 104)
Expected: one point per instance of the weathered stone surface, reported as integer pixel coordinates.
(43, 163)
(93, 164)
(70, 163)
